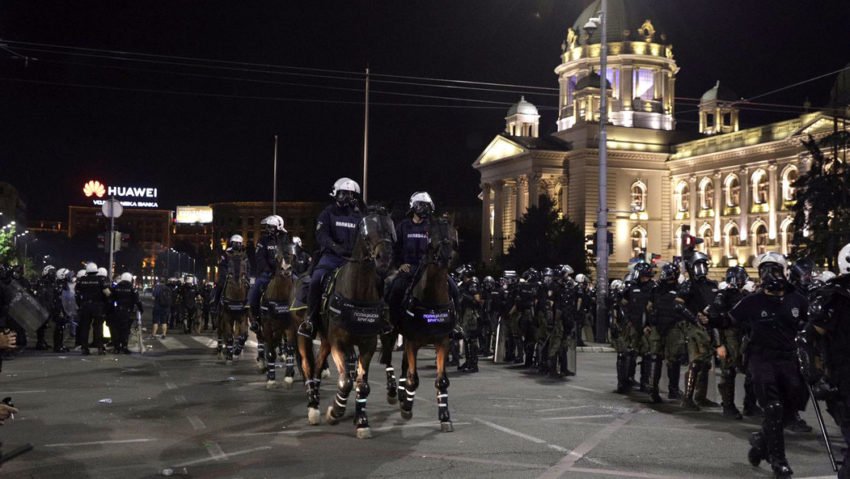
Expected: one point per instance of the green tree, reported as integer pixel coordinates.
(822, 210)
(7, 245)
(543, 238)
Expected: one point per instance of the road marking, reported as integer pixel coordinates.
(611, 472)
(180, 399)
(171, 343)
(196, 423)
(530, 399)
(34, 391)
(497, 427)
(567, 462)
(564, 418)
(205, 341)
(170, 385)
(475, 461)
(98, 443)
(226, 456)
(561, 408)
(585, 389)
(163, 374)
(424, 424)
(215, 451)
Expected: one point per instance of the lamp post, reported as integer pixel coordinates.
(602, 211)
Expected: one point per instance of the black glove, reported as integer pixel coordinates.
(338, 249)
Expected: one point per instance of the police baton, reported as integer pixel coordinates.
(822, 427)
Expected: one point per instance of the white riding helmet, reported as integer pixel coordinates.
(91, 267)
(82, 273)
(47, 270)
(826, 276)
(102, 272)
(345, 184)
(844, 260)
(62, 273)
(423, 197)
(125, 276)
(236, 239)
(580, 278)
(296, 240)
(275, 222)
(616, 285)
(774, 257)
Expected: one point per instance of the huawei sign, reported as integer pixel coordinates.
(94, 187)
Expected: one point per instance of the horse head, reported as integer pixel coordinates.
(376, 236)
(284, 258)
(442, 243)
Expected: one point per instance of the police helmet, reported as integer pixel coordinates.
(48, 270)
(617, 285)
(801, 273)
(628, 278)
(273, 223)
(489, 281)
(643, 270)
(531, 275)
(125, 276)
(102, 272)
(296, 240)
(698, 265)
(736, 277)
(465, 271)
(344, 190)
(62, 274)
(82, 272)
(421, 204)
(91, 267)
(826, 276)
(564, 270)
(580, 278)
(722, 285)
(772, 267)
(236, 239)
(669, 271)
(844, 260)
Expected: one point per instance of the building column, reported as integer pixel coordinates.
(563, 181)
(718, 205)
(627, 91)
(534, 189)
(498, 218)
(773, 204)
(486, 238)
(521, 198)
(692, 203)
(743, 220)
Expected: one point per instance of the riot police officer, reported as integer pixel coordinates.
(189, 294)
(545, 318)
(92, 292)
(772, 317)
(521, 325)
(666, 331)
(695, 295)
(623, 333)
(48, 291)
(470, 321)
(265, 263)
(126, 303)
(491, 294)
(635, 300)
(336, 232)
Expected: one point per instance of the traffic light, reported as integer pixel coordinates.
(125, 240)
(689, 243)
(610, 237)
(116, 241)
(101, 241)
(590, 244)
(655, 257)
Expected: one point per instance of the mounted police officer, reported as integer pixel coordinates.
(694, 297)
(92, 293)
(667, 331)
(127, 302)
(301, 258)
(773, 316)
(336, 232)
(410, 246)
(265, 262)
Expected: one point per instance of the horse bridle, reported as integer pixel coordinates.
(435, 255)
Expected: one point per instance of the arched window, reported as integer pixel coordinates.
(786, 232)
(638, 241)
(682, 196)
(707, 237)
(677, 241)
(731, 240)
(760, 232)
(706, 194)
(733, 190)
(760, 187)
(789, 176)
(639, 196)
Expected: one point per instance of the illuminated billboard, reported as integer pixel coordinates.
(193, 214)
(131, 196)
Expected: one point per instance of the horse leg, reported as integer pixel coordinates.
(289, 359)
(261, 345)
(337, 410)
(308, 366)
(228, 341)
(442, 385)
(387, 345)
(271, 361)
(322, 359)
(402, 378)
(351, 366)
(241, 335)
(410, 351)
(361, 421)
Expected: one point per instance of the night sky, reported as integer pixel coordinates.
(201, 149)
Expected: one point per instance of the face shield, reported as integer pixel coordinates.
(700, 269)
(345, 197)
(422, 209)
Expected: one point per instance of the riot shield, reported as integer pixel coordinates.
(25, 309)
(571, 352)
(499, 349)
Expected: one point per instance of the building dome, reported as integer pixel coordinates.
(718, 93)
(522, 107)
(625, 23)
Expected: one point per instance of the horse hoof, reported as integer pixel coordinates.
(326, 373)
(261, 367)
(406, 415)
(287, 381)
(271, 384)
(446, 427)
(391, 399)
(364, 433)
(313, 415)
(330, 418)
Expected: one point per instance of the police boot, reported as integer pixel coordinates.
(466, 355)
(40, 343)
(454, 353)
(529, 355)
(751, 407)
(690, 384)
(726, 388)
(623, 385)
(758, 449)
(645, 365)
(632, 366)
(775, 440)
(552, 367)
(654, 376)
(673, 391)
(510, 352)
(518, 359)
(308, 327)
(472, 359)
(701, 388)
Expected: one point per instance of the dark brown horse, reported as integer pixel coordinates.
(233, 316)
(428, 317)
(306, 356)
(355, 313)
(277, 319)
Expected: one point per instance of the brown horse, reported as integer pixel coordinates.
(277, 319)
(354, 314)
(233, 316)
(428, 317)
(306, 356)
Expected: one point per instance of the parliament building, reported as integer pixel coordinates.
(731, 186)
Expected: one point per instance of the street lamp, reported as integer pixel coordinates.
(602, 211)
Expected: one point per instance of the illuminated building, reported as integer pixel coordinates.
(12, 207)
(731, 186)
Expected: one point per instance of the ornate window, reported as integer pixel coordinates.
(639, 196)
(789, 176)
(644, 84)
(760, 187)
(732, 240)
(760, 232)
(733, 190)
(682, 196)
(708, 238)
(706, 194)
(786, 232)
(638, 237)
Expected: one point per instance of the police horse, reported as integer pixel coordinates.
(354, 314)
(233, 314)
(277, 332)
(428, 316)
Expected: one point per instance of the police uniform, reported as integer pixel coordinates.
(694, 297)
(470, 316)
(49, 292)
(410, 246)
(729, 336)
(126, 300)
(563, 322)
(635, 300)
(265, 265)
(522, 321)
(92, 292)
(546, 326)
(666, 338)
(189, 292)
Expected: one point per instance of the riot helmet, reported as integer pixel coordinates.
(91, 267)
(344, 192)
(125, 276)
(489, 282)
(531, 275)
(736, 277)
(236, 243)
(421, 204)
(102, 272)
(698, 265)
(801, 273)
(47, 271)
(669, 272)
(273, 224)
(771, 267)
(643, 271)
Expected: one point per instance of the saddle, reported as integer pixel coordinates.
(359, 318)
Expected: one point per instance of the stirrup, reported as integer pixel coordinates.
(307, 330)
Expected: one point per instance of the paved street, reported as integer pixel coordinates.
(177, 407)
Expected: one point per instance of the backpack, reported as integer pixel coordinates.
(163, 299)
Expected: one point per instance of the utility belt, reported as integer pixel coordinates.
(428, 320)
(360, 318)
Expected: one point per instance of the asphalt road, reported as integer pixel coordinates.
(177, 406)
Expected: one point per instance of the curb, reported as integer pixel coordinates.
(598, 348)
